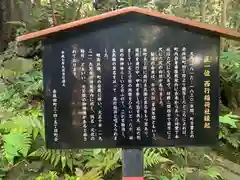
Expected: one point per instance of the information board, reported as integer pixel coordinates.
(123, 83)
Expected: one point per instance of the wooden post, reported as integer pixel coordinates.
(132, 168)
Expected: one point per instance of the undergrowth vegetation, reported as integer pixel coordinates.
(22, 137)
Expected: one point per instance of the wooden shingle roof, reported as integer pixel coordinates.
(223, 32)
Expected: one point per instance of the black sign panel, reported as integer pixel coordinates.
(131, 81)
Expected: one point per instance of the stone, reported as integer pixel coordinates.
(19, 64)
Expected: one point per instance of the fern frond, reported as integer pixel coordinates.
(148, 175)
(65, 158)
(16, 144)
(11, 98)
(164, 151)
(7, 73)
(153, 157)
(177, 151)
(163, 178)
(30, 83)
(24, 123)
(212, 172)
(93, 174)
(6, 113)
(47, 175)
(105, 160)
(233, 140)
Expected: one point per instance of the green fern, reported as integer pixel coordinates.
(16, 144)
(51, 175)
(234, 139)
(148, 175)
(230, 65)
(153, 157)
(6, 113)
(213, 172)
(177, 172)
(7, 73)
(21, 89)
(104, 160)
(227, 119)
(11, 98)
(25, 123)
(163, 178)
(64, 158)
(30, 84)
(93, 174)
(164, 151)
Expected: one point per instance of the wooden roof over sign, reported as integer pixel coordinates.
(224, 32)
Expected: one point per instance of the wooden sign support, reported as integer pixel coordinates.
(133, 166)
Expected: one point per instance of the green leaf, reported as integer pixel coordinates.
(70, 163)
(228, 120)
(176, 178)
(64, 161)
(57, 158)
(213, 172)
(153, 157)
(16, 144)
(96, 151)
(163, 178)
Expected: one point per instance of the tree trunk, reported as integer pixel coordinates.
(203, 10)
(237, 7)
(224, 43)
(5, 29)
(25, 9)
(224, 12)
(16, 11)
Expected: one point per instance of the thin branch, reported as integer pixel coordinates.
(53, 13)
